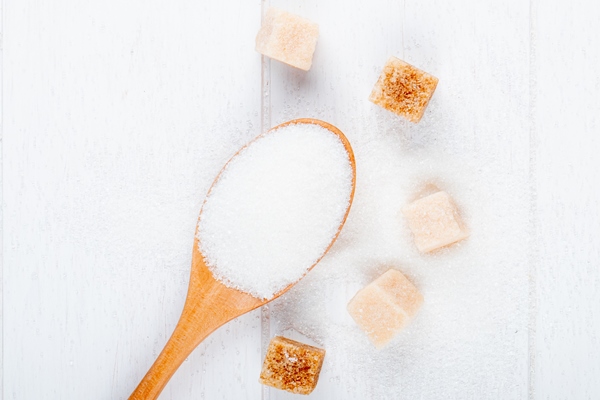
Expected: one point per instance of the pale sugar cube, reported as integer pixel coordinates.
(287, 38)
(403, 89)
(435, 222)
(292, 366)
(384, 307)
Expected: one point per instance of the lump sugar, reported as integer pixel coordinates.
(435, 222)
(292, 366)
(288, 38)
(384, 307)
(403, 89)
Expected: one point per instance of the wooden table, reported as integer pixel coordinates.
(116, 115)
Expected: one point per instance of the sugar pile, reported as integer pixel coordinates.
(275, 209)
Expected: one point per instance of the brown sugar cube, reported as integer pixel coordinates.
(292, 366)
(403, 89)
(384, 307)
(435, 222)
(287, 38)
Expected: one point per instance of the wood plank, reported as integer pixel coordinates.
(120, 113)
(1, 213)
(471, 338)
(566, 123)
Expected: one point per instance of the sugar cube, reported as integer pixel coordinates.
(404, 89)
(384, 307)
(435, 222)
(288, 38)
(292, 366)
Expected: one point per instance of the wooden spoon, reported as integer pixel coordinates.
(209, 303)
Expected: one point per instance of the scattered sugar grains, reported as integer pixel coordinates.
(404, 89)
(472, 289)
(275, 209)
(292, 366)
(287, 38)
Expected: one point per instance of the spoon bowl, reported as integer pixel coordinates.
(210, 303)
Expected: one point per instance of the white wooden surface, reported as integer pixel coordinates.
(117, 114)
(565, 132)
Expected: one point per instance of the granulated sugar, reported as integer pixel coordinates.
(275, 209)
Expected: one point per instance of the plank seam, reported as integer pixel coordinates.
(265, 121)
(533, 229)
(2, 199)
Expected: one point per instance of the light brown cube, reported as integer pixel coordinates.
(384, 307)
(288, 38)
(292, 366)
(404, 89)
(435, 222)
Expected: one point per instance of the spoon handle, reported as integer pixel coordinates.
(209, 304)
(181, 343)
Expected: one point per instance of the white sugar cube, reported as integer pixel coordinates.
(384, 307)
(287, 38)
(435, 222)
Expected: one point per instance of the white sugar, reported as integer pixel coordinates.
(275, 209)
